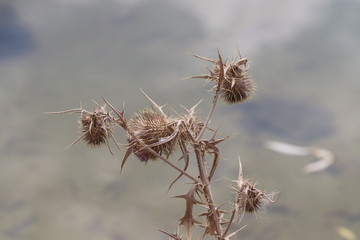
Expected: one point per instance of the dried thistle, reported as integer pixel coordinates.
(249, 198)
(96, 127)
(236, 86)
(153, 135)
(154, 130)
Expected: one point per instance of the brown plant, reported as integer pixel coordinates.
(153, 135)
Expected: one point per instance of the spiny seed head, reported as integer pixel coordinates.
(96, 127)
(236, 86)
(249, 198)
(154, 130)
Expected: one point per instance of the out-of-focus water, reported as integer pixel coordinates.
(57, 54)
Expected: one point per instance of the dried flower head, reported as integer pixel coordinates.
(236, 87)
(154, 130)
(249, 198)
(96, 127)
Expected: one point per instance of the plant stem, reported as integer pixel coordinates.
(216, 97)
(229, 224)
(200, 154)
(207, 189)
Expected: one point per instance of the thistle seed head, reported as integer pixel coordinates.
(154, 130)
(96, 127)
(250, 199)
(236, 86)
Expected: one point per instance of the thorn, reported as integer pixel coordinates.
(192, 110)
(203, 58)
(127, 154)
(240, 177)
(154, 103)
(74, 110)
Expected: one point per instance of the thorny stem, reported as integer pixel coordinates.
(207, 189)
(200, 156)
(229, 224)
(216, 97)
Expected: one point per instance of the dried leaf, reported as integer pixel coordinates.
(188, 220)
(185, 156)
(173, 236)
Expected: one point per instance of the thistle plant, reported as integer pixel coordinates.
(154, 136)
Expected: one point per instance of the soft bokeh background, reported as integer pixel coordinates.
(55, 54)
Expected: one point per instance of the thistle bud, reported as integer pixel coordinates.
(153, 130)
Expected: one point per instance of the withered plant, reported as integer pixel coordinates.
(153, 135)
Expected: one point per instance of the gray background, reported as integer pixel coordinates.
(54, 54)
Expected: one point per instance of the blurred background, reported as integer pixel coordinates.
(56, 54)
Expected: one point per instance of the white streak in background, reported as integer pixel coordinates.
(286, 148)
(346, 233)
(326, 158)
